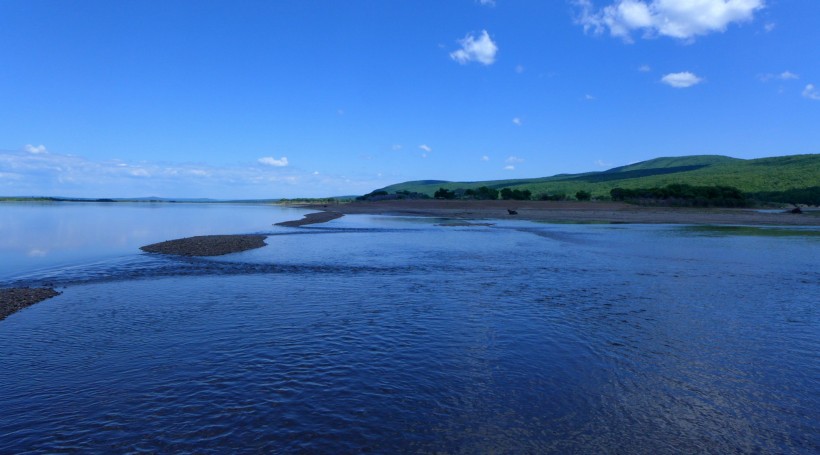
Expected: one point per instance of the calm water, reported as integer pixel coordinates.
(399, 335)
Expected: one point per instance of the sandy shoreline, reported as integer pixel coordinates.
(571, 212)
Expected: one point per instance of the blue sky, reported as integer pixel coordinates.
(266, 99)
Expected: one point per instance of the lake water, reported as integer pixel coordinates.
(380, 334)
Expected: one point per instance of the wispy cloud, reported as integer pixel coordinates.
(811, 92)
(426, 148)
(516, 121)
(485, 158)
(509, 167)
(681, 80)
(784, 76)
(271, 161)
(486, 2)
(514, 160)
(481, 49)
(681, 19)
(644, 68)
(25, 173)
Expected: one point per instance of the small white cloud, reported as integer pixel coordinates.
(516, 121)
(315, 172)
(139, 172)
(602, 163)
(519, 69)
(396, 147)
(426, 148)
(681, 19)
(589, 97)
(769, 27)
(514, 160)
(37, 150)
(811, 92)
(486, 2)
(271, 161)
(644, 68)
(681, 80)
(481, 49)
(36, 253)
(485, 158)
(509, 167)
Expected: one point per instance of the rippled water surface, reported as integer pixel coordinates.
(400, 335)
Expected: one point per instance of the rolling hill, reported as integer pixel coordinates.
(776, 174)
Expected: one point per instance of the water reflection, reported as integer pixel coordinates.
(40, 235)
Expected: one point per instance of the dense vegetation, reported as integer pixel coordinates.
(788, 179)
(683, 196)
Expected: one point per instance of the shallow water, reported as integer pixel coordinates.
(397, 335)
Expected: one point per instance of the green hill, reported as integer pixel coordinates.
(770, 175)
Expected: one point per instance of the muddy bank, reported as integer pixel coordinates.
(15, 299)
(207, 245)
(574, 212)
(313, 218)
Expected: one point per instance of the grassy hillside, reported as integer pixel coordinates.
(750, 176)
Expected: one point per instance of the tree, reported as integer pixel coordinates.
(583, 196)
(444, 193)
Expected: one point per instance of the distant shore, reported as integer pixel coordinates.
(568, 212)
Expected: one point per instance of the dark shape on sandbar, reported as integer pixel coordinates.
(796, 211)
(512, 212)
(208, 245)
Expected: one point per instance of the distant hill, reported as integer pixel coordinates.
(776, 174)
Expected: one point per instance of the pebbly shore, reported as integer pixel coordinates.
(207, 245)
(13, 300)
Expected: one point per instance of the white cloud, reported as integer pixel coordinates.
(769, 27)
(589, 97)
(516, 121)
(396, 147)
(485, 158)
(509, 167)
(426, 148)
(486, 2)
(271, 161)
(681, 80)
(514, 160)
(37, 150)
(681, 19)
(481, 49)
(602, 163)
(811, 92)
(644, 68)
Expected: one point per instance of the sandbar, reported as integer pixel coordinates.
(574, 212)
(207, 245)
(313, 218)
(15, 299)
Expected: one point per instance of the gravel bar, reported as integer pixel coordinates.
(15, 299)
(207, 245)
(312, 218)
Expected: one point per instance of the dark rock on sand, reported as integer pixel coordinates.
(207, 245)
(15, 299)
